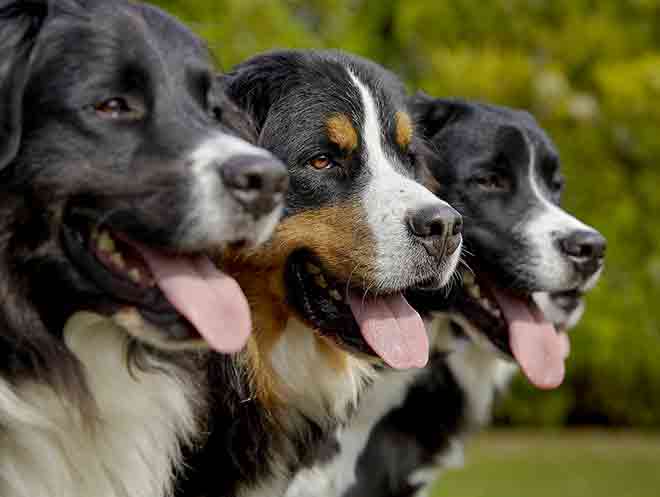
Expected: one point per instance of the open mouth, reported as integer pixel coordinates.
(514, 324)
(168, 300)
(381, 325)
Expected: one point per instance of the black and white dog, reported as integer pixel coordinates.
(531, 262)
(327, 292)
(120, 167)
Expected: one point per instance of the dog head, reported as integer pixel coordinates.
(121, 165)
(502, 172)
(358, 229)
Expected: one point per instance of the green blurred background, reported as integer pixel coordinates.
(590, 71)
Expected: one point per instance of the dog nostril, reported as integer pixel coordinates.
(584, 245)
(258, 183)
(438, 227)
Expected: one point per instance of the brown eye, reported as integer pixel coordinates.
(119, 109)
(321, 163)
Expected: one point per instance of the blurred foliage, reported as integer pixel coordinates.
(590, 71)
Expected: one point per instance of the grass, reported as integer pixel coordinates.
(583, 464)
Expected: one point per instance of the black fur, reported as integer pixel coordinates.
(66, 167)
(435, 406)
(479, 159)
(291, 95)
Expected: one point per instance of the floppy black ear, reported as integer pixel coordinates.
(432, 114)
(257, 83)
(20, 23)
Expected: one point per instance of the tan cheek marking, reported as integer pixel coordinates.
(341, 131)
(341, 238)
(404, 129)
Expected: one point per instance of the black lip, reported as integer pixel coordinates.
(117, 292)
(493, 327)
(333, 320)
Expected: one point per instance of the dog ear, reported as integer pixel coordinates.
(432, 114)
(20, 24)
(256, 84)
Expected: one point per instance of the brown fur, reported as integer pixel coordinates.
(341, 239)
(404, 129)
(341, 131)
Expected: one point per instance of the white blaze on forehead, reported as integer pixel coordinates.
(388, 198)
(543, 228)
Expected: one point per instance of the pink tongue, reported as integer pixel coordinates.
(212, 301)
(393, 329)
(535, 343)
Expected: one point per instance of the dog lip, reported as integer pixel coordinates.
(149, 302)
(330, 318)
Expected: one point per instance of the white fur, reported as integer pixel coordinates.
(216, 218)
(313, 387)
(48, 448)
(546, 224)
(388, 198)
(556, 314)
(479, 372)
(335, 478)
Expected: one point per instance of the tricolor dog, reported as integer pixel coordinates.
(121, 167)
(529, 264)
(327, 292)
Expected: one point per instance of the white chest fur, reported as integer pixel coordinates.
(47, 449)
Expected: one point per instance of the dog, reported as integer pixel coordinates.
(529, 259)
(122, 165)
(326, 291)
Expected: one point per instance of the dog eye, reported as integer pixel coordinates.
(322, 163)
(493, 182)
(118, 109)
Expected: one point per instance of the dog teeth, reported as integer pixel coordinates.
(118, 260)
(336, 295)
(312, 269)
(474, 291)
(105, 242)
(468, 278)
(491, 307)
(135, 275)
(321, 281)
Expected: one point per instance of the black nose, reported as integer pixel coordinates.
(438, 227)
(586, 249)
(257, 183)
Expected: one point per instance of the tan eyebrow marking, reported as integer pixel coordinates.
(341, 131)
(404, 129)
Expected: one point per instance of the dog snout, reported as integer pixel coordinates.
(438, 227)
(258, 183)
(586, 249)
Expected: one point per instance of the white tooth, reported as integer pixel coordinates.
(474, 291)
(320, 281)
(135, 275)
(468, 278)
(106, 243)
(498, 313)
(312, 269)
(118, 260)
(336, 295)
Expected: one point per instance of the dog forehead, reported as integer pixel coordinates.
(124, 30)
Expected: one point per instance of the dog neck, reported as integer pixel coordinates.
(127, 445)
